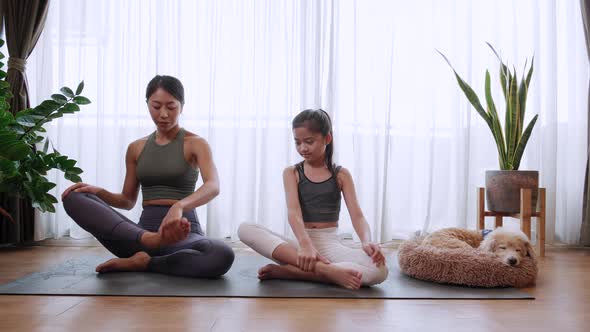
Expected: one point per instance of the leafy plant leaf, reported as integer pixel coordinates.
(59, 98)
(67, 92)
(71, 108)
(80, 88)
(12, 148)
(81, 100)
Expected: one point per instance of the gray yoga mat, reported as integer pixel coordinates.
(77, 277)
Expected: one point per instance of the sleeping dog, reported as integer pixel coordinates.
(511, 247)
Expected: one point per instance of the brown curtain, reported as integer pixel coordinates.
(585, 229)
(23, 22)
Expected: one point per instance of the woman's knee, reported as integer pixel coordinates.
(75, 201)
(71, 201)
(222, 258)
(75, 204)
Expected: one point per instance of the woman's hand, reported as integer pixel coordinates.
(81, 187)
(307, 256)
(374, 251)
(174, 226)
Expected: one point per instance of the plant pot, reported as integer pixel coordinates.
(503, 189)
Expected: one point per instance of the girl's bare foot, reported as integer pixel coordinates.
(331, 273)
(137, 262)
(344, 277)
(270, 271)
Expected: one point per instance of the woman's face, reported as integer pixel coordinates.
(164, 109)
(311, 146)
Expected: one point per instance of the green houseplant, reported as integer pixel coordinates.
(23, 167)
(503, 186)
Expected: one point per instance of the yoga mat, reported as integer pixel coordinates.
(77, 277)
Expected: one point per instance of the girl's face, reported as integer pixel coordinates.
(311, 146)
(164, 109)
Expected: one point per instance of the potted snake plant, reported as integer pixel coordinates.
(503, 186)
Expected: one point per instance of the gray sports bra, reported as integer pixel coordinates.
(320, 201)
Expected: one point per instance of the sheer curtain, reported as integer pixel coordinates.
(416, 149)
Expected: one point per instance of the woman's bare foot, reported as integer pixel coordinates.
(168, 233)
(137, 262)
(344, 277)
(174, 231)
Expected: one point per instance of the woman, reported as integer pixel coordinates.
(168, 238)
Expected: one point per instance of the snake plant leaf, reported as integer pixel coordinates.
(503, 72)
(499, 138)
(508, 116)
(496, 128)
(470, 94)
(516, 113)
(523, 95)
(510, 140)
(523, 142)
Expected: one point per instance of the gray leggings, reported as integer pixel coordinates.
(195, 256)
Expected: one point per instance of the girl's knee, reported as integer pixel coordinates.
(247, 233)
(375, 275)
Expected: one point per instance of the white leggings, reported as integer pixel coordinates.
(325, 240)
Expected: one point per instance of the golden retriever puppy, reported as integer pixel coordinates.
(510, 246)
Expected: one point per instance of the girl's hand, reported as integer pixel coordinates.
(81, 187)
(307, 256)
(374, 251)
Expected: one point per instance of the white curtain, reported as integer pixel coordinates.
(415, 147)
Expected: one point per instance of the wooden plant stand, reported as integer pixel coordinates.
(524, 215)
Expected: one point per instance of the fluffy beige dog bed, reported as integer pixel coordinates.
(467, 266)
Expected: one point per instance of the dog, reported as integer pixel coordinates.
(510, 246)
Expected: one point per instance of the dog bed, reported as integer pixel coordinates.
(466, 266)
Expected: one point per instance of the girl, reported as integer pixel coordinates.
(165, 164)
(312, 189)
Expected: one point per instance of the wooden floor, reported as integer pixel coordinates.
(562, 304)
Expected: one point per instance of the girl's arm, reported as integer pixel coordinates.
(127, 198)
(359, 222)
(306, 254)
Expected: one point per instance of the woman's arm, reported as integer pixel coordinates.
(210, 188)
(359, 222)
(307, 254)
(201, 153)
(127, 198)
